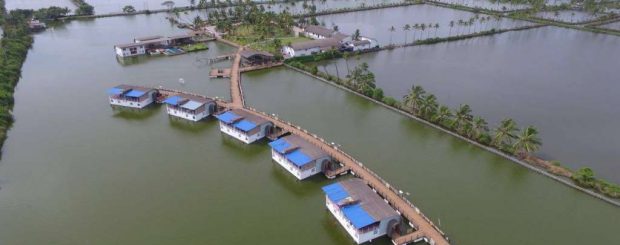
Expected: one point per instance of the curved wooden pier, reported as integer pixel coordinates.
(425, 230)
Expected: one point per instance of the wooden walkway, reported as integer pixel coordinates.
(220, 73)
(424, 227)
(260, 67)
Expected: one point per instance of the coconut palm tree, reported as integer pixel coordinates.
(406, 29)
(428, 106)
(392, 29)
(413, 98)
(504, 133)
(436, 28)
(527, 142)
(479, 126)
(451, 25)
(443, 115)
(346, 57)
(416, 26)
(462, 117)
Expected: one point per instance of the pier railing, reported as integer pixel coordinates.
(361, 165)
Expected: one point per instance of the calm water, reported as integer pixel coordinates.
(116, 6)
(479, 197)
(564, 82)
(37, 4)
(377, 23)
(76, 172)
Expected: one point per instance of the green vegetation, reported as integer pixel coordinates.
(83, 8)
(195, 47)
(129, 9)
(14, 47)
(585, 177)
(52, 12)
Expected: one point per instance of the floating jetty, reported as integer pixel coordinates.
(367, 207)
(219, 73)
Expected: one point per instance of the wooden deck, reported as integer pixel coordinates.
(220, 73)
(424, 227)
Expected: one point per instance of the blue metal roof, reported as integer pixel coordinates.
(298, 158)
(228, 117)
(357, 215)
(135, 93)
(115, 91)
(173, 100)
(335, 192)
(192, 105)
(280, 145)
(245, 125)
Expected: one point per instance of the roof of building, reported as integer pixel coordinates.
(319, 43)
(360, 42)
(249, 53)
(339, 36)
(147, 38)
(192, 105)
(297, 150)
(241, 120)
(358, 202)
(129, 90)
(180, 36)
(319, 30)
(128, 45)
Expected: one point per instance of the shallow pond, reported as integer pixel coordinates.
(562, 81)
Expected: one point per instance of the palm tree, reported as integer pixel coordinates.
(443, 114)
(479, 126)
(346, 57)
(428, 106)
(462, 117)
(416, 26)
(422, 27)
(406, 29)
(436, 27)
(392, 29)
(505, 132)
(451, 25)
(413, 98)
(527, 142)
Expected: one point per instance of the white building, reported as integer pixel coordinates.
(319, 32)
(244, 126)
(363, 43)
(130, 49)
(193, 108)
(131, 96)
(360, 210)
(143, 45)
(311, 47)
(299, 157)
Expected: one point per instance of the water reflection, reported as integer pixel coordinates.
(132, 114)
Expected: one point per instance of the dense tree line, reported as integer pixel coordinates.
(14, 47)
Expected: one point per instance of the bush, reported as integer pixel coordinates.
(378, 94)
(390, 101)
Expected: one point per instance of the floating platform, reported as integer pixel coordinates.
(220, 73)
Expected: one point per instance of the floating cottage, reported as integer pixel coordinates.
(244, 126)
(144, 45)
(360, 210)
(131, 96)
(299, 157)
(193, 108)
